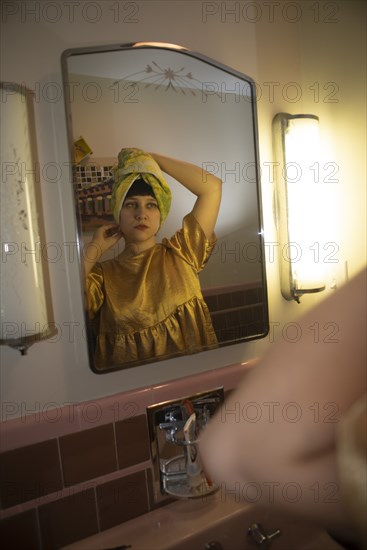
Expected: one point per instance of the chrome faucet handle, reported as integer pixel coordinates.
(171, 429)
(256, 535)
(177, 425)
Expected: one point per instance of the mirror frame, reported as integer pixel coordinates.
(175, 48)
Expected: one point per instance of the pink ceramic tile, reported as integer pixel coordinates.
(125, 472)
(183, 387)
(30, 504)
(115, 407)
(46, 423)
(73, 490)
(49, 422)
(12, 511)
(229, 377)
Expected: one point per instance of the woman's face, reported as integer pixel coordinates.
(140, 220)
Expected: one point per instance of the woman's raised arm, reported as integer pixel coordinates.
(206, 186)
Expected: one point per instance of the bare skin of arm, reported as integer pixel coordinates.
(278, 429)
(205, 186)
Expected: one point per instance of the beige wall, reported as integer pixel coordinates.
(321, 52)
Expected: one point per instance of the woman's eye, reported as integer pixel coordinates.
(152, 205)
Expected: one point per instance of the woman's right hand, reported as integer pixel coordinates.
(106, 236)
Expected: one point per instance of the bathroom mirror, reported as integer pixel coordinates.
(172, 101)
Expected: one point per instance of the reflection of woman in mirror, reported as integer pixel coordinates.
(147, 303)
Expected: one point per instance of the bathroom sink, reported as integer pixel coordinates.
(215, 522)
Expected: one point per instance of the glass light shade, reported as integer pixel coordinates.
(299, 203)
(26, 315)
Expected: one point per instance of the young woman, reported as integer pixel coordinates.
(147, 304)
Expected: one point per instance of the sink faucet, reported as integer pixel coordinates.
(174, 429)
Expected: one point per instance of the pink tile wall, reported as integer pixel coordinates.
(48, 423)
(49, 493)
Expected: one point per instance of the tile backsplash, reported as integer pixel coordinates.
(60, 485)
(69, 478)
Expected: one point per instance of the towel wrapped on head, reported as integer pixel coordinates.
(136, 164)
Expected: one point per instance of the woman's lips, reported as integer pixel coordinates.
(141, 227)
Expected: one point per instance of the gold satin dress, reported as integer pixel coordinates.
(149, 306)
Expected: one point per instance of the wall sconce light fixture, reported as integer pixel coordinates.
(26, 314)
(298, 200)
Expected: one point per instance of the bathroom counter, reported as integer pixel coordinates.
(190, 524)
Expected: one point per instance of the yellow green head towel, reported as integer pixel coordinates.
(134, 164)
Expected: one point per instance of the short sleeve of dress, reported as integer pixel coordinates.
(191, 243)
(95, 293)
